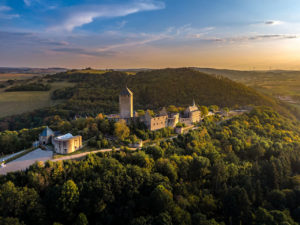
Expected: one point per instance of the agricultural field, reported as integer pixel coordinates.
(12, 103)
(283, 85)
(17, 76)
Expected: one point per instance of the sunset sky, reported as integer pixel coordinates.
(236, 34)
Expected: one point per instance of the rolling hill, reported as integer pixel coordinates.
(157, 88)
(95, 93)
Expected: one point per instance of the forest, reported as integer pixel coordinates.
(95, 93)
(241, 171)
(29, 87)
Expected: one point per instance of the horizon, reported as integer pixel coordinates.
(248, 35)
(141, 69)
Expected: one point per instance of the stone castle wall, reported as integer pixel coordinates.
(157, 123)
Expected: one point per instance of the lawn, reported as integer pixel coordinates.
(12, 103)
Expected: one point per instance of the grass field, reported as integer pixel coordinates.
(16, 76)
(283, 85)
(12, 103)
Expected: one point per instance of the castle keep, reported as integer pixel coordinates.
(126, 104)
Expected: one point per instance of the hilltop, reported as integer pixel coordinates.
(158, 88)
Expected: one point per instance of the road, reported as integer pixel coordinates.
(25, 161)
(80, 155)
(39, 155)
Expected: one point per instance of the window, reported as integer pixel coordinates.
(75, 144)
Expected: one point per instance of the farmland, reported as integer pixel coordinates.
(16, 76)
(12, 103)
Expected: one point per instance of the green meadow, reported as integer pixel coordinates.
(16, 76)
(12, 103)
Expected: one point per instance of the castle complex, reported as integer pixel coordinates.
(164, 119)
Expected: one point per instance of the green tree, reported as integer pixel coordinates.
(161, 199)
(69, 197)
(121, 130)
(81, 219)
(204, 110)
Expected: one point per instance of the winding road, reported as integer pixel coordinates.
(40, 155)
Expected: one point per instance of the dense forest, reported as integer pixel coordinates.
(241, 171)
(29, 87)
(98, 93)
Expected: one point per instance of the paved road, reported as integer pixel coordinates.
(39, 155)
(27, 160)
(10, 156)
(80, 155)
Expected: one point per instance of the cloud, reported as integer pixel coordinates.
(78, 16)
(187, 31)
(83, 51)
(252, 38)
(27, 2)
(30, 39)
(121, 24)
(9, 16)
(4, 8)
(273, 22)
(4, 14)
(144, 39)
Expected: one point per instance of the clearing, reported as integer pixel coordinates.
(12, 103)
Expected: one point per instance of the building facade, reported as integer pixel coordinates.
(155, 123)
(67, 143)
(191, 115)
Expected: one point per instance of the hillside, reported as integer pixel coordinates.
(284, 85)
(243, 171)
(158, 88)
(97, 92)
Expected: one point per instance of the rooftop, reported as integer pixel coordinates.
(47, 132)
(125, 92)
(65, 137)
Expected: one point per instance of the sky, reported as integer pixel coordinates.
(108, 34)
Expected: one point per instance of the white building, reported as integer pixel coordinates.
(67, 143)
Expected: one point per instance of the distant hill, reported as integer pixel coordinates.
(31, 70)
(180, 86)
(250, 77)
(158, 88)
(281, 84)
(97, 92)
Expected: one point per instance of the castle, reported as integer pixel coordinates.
(164, 119)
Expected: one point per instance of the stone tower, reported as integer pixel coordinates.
(126, 103)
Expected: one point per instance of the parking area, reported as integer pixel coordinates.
(25, 161)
